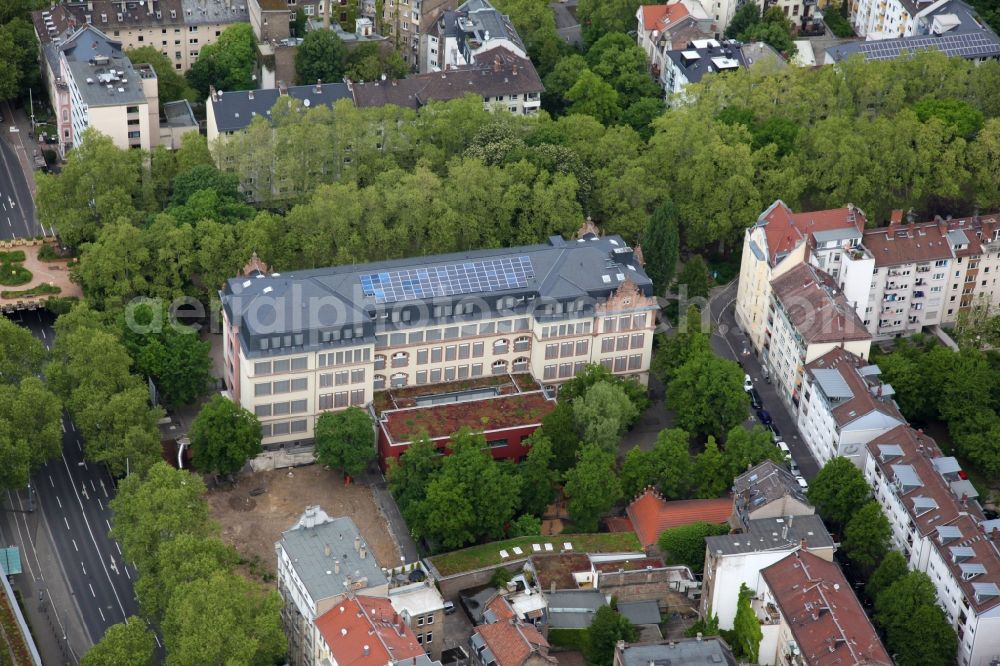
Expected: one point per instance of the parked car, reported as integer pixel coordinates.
(449, 607)
(775, 433)
(784, 450)
(747, 383)
(764, 417)
(755, 401)
(793, 467)
(802, 483)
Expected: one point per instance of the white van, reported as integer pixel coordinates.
(784, 450)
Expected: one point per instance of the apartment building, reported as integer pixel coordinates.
(697, 59)
(92, 83)
(685, 652)
(767, 490)
(940, 528)
(844, 406)
(808, 317)
(176, 28)
(809, 615)
(891, 19)
(505, 640)
(299, 344)
(458, 37)
(365, 631)
(408, 22)
(780, 240)
(735, 559)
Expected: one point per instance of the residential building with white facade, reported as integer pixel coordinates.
(810, 615)
(698, 59)
(939, 526)
(320, 559)
(781, 239)
(663, 28)
(302, 343)
(458, 37)
(889, 19)
(767, 490)
(844, 406)
(736, 559)
(92, 83)
(808, 316)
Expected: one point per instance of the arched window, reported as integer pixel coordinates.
(378, 382)
(520, 364)
(398, 380)
(522, 343)
(501, 346)
(380, 361)
(499, 367)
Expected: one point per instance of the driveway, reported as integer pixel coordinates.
(728, 341)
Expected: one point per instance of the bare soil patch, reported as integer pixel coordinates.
(256, 509)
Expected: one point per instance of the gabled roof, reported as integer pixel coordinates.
(839, 371)
(366, 631)
(786, 230)
(763, 484)
(236, 109)
(651, 514)
(510, 641)
(816, 307)
(908, 243)
(662, 17)
(826, 619)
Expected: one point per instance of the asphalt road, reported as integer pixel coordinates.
(17, 210)
(72, 516)
(729, 342)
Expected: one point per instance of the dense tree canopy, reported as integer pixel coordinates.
(686, 544)
(124, 643)
(867, 537)
(839, 491)
(322, 56)
(592, 487)
(224, 436)
(606, 630)
(228, 64)
(707, 395)
(345, 440)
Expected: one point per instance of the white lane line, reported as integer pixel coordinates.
(78, 445)
(84, 568)
(118, 547)
(99, 502)
(102, 614)
(72, 426)
(128, 574)
(104, 489)
(63, 426)
(44, 337)
(108, 524)
(158, 643)
(59, 501)
(92, 486)
(93, 539)
(66, 521)
(75, 547)
(92, 593)
(51, 482)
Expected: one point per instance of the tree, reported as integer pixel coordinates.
(559, 427)
(11, 56)
(130, 642)
(15, 456)
(560, 80)
(21, 354)
(170, 85)
(839, 491)
(896, 603)
(592, 487)
(956, 113)
(707, 395)
(228, 64)
(526, 525)
(594, 374)
(322, 56)
(685, 342)
(606, 629)
(167, 351)
(938, 642)
(744, 17)
(674, 465)
(600, 17)
(345, 440)
(244, 627)
(34, 415)
(746, 448)
(866, 537)
(661, 245)
(224, 436)
(150, 512)
(747, 633)
(686, 544)
(538, 476)
(184, 558)
(694, 278)
(711, 471)
(638, 471)
(892, 568)
(593, 96)
(446, 515)
(368, 62)
(409, 475)
(774, 28)
(602, 414)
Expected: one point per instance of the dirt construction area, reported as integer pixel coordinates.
(260, 506)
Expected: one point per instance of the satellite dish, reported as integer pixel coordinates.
(306, 103)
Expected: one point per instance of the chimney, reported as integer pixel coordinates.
(249, 94)
(895, 220)
(357, 544)
(282, 88)
(365, 651)
(319, 86)
(364, 552)
(212, 94)
(995, 535)
(941, 223)
(326, 549)
(804, 544)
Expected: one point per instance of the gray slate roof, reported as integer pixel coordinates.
(686, 652)
(763, 484)
(306, 547)
(314, 303)
(707, 61)
(82, 50)
(573, 609)
(640, 612)
(235, 109)
(765, 534)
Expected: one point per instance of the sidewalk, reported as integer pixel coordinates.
(374, 479)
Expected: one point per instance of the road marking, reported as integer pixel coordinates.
(102, 614)
(78, 445)
(84, 568)
(93, 487)
(58, 501)
(92, 593)
(75, 547)
(118, 547)
(104, 489)
(158, 643)
(100, 503)
(108, 524)
(51, 482)
(66, 521)
(72, 426)
(128, 574)
(44, 337)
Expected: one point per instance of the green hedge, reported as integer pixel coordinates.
(570, 639)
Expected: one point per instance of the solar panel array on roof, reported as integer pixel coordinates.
(470, 277)
(967, 45)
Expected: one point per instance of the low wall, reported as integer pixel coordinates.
(450, 586)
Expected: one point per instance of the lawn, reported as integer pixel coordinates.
(44, 289)
(12, 273)
(489, 554)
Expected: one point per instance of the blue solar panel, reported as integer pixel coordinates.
(468, 277)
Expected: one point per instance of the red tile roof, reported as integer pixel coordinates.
(510, 641)
(651, 514)
(826, 619)
(785, 230)
(816, 307)
(908, 243)
(659, 17)
(367, 631)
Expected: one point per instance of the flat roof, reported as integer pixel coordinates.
(768, 534)
(708, 651)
